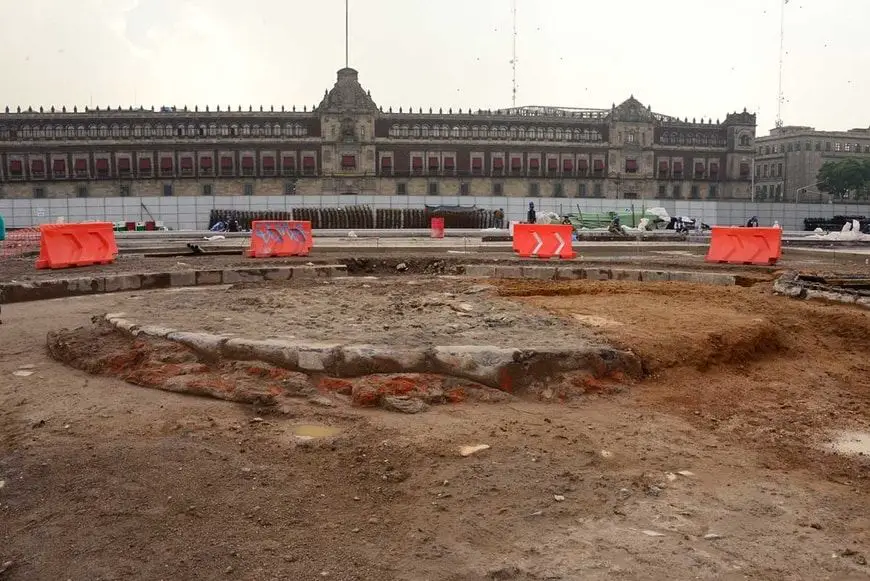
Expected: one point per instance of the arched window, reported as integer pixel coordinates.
(493, 132)
(179, 131)
(514, 133)
(276, 130)
(148, 131)
(43, 132)
(234, 130)
(116, 131)
(81, 132)
(521, 133)
(539, 133)
(159, 131)
(92, 131)
(406, 131)
(246, 130)
(301, 130)
(424, 131)
(137, 131)
(212, 129)
(267, 130)
(502, 132)
(744, 140)
(125, 131)
(26, 132)
(560, 135)
(455, 132)
(436, 131)
(551, 134)
(463, 132)
(58, 132)
(394, 131)
(70, 132)
(475, 132)
(415, 131)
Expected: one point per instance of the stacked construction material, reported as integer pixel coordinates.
(834, 224)
(363, 217)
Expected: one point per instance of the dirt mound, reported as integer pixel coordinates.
(533, 288)
(741, 361)
(736, 345)
(669, 325)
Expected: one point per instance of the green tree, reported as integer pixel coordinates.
(847, 178)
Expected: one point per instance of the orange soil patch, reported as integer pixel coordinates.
(741, 361)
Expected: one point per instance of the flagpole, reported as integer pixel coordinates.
(346, 34)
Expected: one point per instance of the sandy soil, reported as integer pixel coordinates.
(395, 311)
(712, 468)
(770, 372)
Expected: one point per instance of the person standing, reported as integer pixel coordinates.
(532, 216)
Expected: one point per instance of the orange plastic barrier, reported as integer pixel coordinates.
(280, 238)
(739, 245)
(84, 244)
(437, 227)
(543, 240)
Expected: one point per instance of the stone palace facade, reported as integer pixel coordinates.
(348, 145)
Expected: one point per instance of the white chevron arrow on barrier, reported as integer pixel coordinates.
(540, 242)
(561, 243)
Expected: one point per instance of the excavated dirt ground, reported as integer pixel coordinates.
(717, 466)
(424, 260)
(410, 311)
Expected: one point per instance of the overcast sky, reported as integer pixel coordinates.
(688, 58)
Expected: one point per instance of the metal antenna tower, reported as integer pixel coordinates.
(780, 97)
(514, 56)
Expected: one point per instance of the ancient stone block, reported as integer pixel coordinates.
(278, 352)
(480, 270)
(539, 272)
(655, 276)
(208, 277)
(509, 272)
(185, 278)
(234, 276)
(598, 274)
(122, 282)
(631, 275)
(202, 342)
